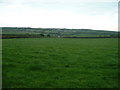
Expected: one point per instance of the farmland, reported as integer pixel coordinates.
(26, 32)
(60, 63)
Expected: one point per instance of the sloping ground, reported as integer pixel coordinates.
(60, 63)
(55, 32)
(5, 36)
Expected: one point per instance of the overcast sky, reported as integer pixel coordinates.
(87, 14)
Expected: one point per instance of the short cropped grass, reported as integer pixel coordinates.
(60, 63)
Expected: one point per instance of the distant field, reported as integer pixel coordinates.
(60, 63)
(10, 32)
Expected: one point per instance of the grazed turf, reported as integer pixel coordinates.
(60, 63)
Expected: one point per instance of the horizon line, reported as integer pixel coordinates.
(57, 28)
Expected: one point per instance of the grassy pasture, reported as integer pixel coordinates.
(60, 63)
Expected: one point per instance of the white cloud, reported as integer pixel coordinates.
(19, 1)
(20, 14)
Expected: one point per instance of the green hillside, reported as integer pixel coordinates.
(57, 32)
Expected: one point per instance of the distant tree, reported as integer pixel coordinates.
(113, 35)
(118, 35)
(48, 35)
(42, 35)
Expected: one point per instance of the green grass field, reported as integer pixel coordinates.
(60, 63)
